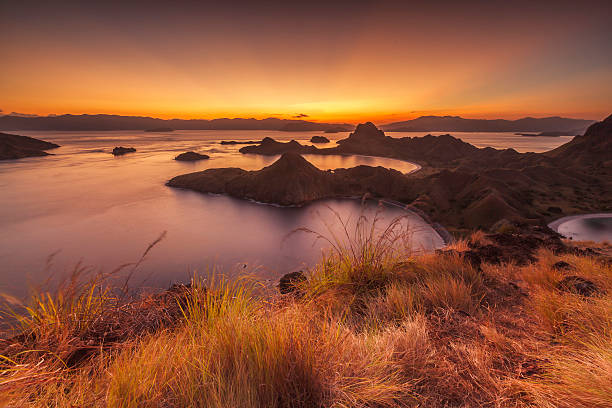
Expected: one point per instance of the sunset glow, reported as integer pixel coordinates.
(345, 62)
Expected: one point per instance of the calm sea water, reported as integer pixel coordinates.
(592, 227)
(84, 205)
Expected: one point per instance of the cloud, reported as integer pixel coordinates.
(300, 116)
(23, 115)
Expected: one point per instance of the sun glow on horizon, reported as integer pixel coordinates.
(324, 62)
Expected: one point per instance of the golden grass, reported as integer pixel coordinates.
(375, 325)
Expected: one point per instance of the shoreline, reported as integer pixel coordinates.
(554, 225)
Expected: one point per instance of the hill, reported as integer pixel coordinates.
(118, 122)
(459, 124)
(461, 186)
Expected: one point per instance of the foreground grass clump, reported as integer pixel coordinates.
(373, 325)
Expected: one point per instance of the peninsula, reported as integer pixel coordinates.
(18, 147)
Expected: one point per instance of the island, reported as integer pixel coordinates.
(337, 129)
(18, 147)
(292, 180)
(319, 139)
(237, 142)
(160, 129)
(460, 186)
(459, 124)
(191, 156)
(120, 150)
(548, 134)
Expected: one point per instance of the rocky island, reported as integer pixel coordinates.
(548, 134)
(292, 180)
(237, 142)
(191, 156)
(319, 139)
(270, 147)
(461, 186)
(120, 150)
(18, 147)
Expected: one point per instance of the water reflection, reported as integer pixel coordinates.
(84, 204)
(591, 227)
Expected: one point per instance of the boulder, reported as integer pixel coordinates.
(289, 283)
(578, 285)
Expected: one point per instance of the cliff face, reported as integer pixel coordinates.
(17, 147)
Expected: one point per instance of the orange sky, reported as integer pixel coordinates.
(380, 61)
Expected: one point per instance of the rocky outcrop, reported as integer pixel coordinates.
(191, 156)
(120, 151)
(17, 147)
(319, 139)
(519, 245)
(271, 147)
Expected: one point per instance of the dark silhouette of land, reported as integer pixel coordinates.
(191, 156)
(17, 147)
(460, 185)
(566, 126)
(160, 129)
(117, 122)
(237, 142)
(120, 150)
(319, 139)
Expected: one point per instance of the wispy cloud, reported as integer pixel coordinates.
(23, 115)
(300, 116)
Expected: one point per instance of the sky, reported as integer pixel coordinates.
(343, 61)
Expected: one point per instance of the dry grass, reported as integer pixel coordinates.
(374, 326)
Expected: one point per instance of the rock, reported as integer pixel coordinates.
(562, 266)
(319, 139)
(17, 147)
(290, 282)
(160, 129)
(578, 285)
(191, 156)
(120, 151)
(237, 142)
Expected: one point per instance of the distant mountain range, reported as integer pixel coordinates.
(422, 124)
(117, 122)
(458, 124)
